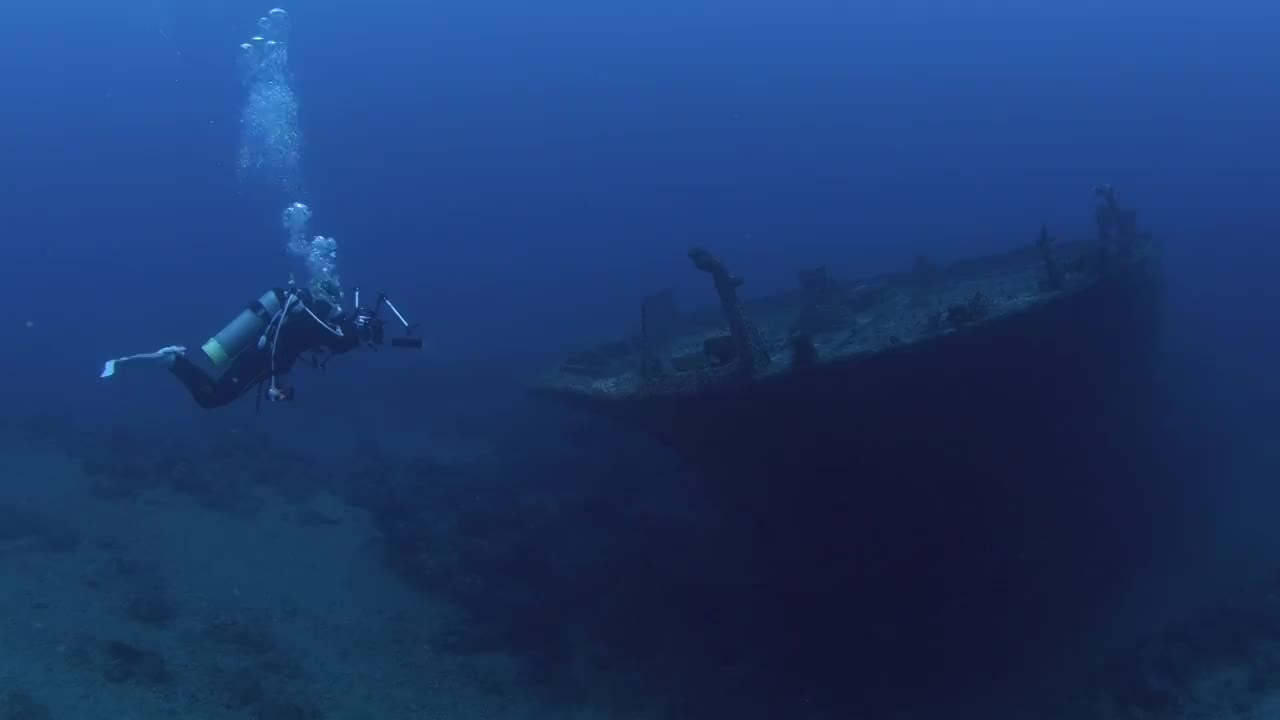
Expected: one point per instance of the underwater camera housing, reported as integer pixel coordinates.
(373, 328)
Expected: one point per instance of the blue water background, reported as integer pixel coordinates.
(517, 175)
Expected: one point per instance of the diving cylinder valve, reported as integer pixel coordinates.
(245, 330)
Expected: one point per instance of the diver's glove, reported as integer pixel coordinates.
(165, 355)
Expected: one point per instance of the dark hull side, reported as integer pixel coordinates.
(944, 511)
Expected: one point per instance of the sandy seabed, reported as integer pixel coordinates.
(267, 615)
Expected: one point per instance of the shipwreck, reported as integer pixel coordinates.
(932, 472)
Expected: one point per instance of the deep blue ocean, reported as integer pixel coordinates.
(516, 176)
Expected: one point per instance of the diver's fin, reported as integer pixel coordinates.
(165, 354)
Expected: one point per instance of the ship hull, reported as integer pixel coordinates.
(942, 510)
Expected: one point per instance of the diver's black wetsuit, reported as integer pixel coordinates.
(252, 367)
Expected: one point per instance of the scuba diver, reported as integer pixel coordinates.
(263, 343)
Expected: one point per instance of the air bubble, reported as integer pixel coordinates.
(270, 141)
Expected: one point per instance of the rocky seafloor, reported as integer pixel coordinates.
(147, 575)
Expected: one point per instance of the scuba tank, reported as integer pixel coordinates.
(245, 330)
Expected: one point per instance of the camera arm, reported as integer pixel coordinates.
(365, 316)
